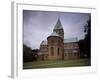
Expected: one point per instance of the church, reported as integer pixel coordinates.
(58, 48)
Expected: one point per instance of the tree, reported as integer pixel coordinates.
(27, 54)
(85, 44)
(87, 40)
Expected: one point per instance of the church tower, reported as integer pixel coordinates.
(55, 47)
(59, 29)
(55, 42)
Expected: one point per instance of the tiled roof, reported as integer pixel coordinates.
(70, 40)
(54, 34)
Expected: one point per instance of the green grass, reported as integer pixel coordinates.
(56, 63)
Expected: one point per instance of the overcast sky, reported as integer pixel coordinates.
(38, 25)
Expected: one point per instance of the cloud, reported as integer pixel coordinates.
(38, 25)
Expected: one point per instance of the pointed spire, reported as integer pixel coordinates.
(58, 24)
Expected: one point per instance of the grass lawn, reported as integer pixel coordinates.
(56, 63)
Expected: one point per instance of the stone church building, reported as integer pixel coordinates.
(58, 48)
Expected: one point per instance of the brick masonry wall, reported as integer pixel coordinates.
(57, 44)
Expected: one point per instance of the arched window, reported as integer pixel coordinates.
(52, 51)
(58, 52)
(52, 42)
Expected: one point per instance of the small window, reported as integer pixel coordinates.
(52, 51)
(58, 42)
(52, 42)
(58, 52)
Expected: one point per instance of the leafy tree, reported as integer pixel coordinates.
(87, 40)
(85, 44)
(27, 54)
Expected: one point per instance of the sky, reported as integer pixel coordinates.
(38, 25)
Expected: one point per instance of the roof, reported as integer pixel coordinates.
(54, 34)
(65, 41)
(70, 40)
(44, 43)
(58, 25)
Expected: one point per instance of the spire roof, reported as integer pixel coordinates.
(58, 25)
(54, 34)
